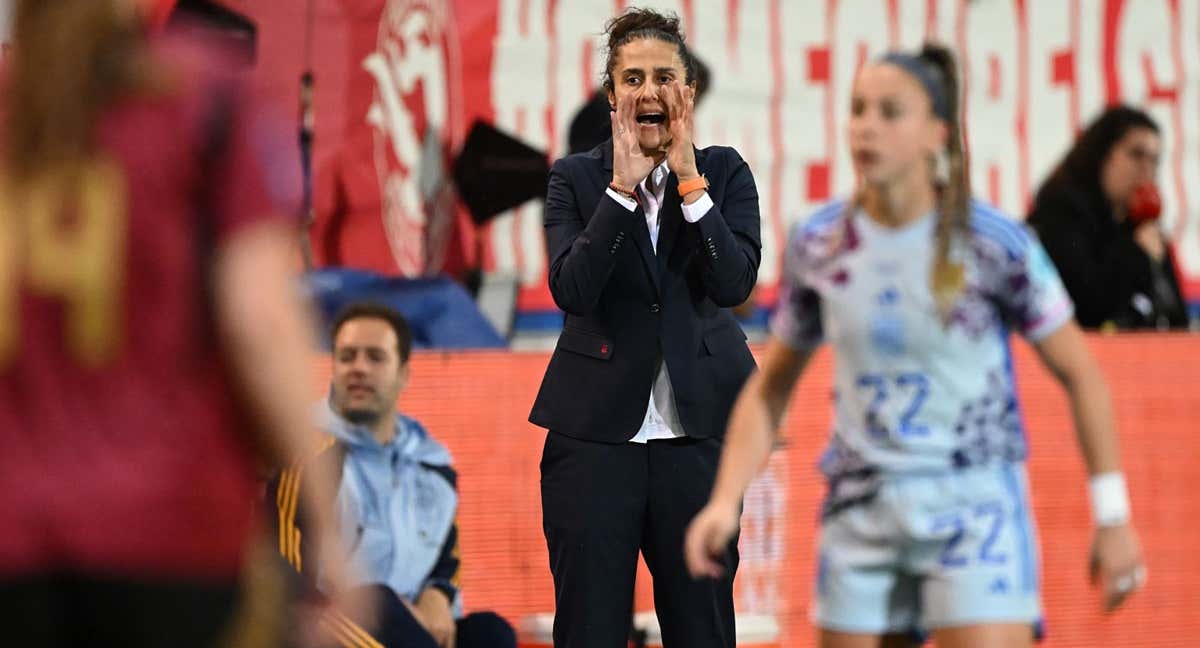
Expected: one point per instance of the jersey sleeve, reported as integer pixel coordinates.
(1032, 295)
(797, 318)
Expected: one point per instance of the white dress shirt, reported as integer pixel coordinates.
(662, 420)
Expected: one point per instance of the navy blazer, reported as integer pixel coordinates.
(628, 309)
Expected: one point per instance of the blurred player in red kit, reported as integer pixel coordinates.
(150, 341)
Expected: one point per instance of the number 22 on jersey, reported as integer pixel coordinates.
(63, 237)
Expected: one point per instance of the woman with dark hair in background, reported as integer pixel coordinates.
(651, 242)
(1109, 249)
(927, 525)
(150, 342)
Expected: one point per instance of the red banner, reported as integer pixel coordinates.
(398, 81)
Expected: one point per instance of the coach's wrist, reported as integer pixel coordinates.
(628, 185)
(625, 192)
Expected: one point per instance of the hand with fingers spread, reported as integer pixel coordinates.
(1116, 562)
(680, 101)
(631, 165)
(708, 538)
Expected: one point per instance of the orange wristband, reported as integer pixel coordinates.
(694, 184)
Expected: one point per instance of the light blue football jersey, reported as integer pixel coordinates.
(914, 393)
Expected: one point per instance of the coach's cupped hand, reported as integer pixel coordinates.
(631, 165)
(708, 538)
(680, 101)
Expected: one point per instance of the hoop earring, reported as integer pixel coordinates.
(941, 168)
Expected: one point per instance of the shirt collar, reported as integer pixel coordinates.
(657, 178)
(919, 229)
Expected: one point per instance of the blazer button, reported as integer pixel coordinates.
(654, 308)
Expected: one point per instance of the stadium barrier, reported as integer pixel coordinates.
(477, 404)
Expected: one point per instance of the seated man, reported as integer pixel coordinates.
(396, 499)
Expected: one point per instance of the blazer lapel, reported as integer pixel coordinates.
(671, 214)
(641, 236)
(641, 233)
(670, 220)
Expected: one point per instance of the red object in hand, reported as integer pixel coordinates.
(1145, 204)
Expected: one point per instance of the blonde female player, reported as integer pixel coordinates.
(927, 524)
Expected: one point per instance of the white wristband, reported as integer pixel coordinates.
(1110, 499)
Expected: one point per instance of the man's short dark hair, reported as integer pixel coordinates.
(372, 310)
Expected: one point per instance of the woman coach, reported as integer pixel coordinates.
(650, 242)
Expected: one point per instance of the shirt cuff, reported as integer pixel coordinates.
(694, 212)
(624, 200)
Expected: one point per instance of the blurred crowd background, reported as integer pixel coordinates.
(423, 134)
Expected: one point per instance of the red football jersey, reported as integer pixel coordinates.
(122, 447)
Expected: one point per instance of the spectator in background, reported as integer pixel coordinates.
(150, 340)
(1117, 267)
(396, 497)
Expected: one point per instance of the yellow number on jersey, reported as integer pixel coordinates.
(74, 243)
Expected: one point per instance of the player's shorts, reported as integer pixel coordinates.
(929, 552)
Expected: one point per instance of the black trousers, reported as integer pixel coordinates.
(601, 504)
(79, 610)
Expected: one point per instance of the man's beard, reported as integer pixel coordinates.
(361, 416)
